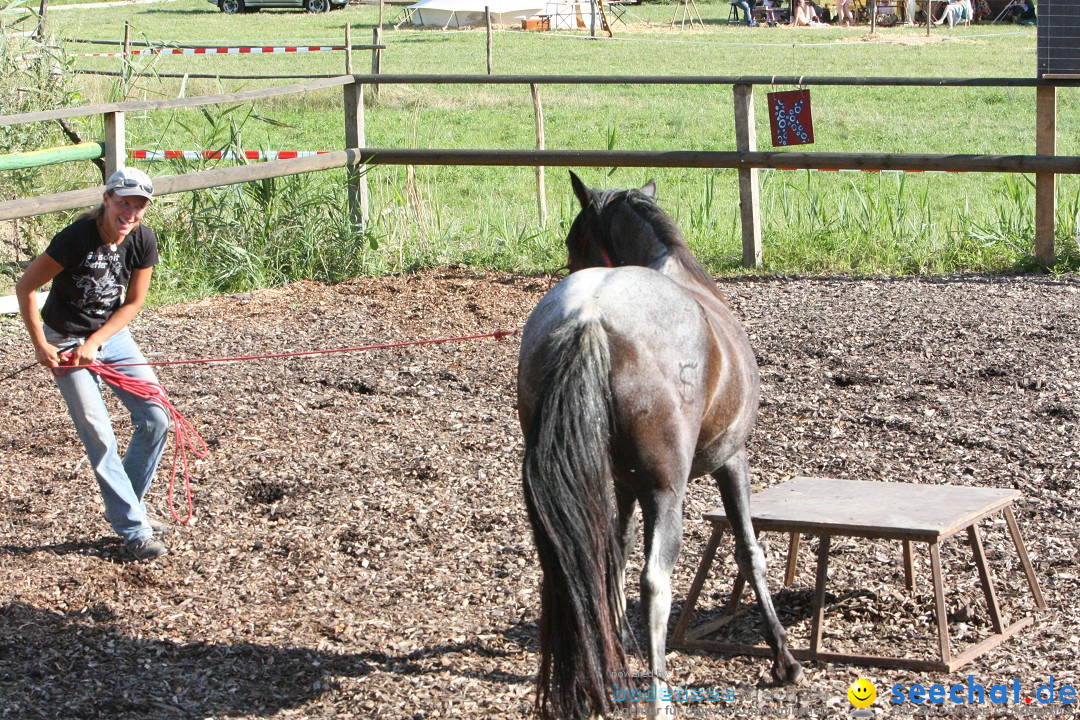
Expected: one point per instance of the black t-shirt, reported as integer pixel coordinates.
(91, 286)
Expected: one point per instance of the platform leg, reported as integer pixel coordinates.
(1029, 571)
(975, 538)
(939, 602)
(736, 594)
(909, 567)
(818, 612)
(792, 559)
(679, 633)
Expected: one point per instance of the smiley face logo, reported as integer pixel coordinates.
(862, 693)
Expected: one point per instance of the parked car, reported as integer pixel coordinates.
(313, 6)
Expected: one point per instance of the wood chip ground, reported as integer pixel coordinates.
(361, 548)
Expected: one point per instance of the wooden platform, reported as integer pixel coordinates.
(897, 511)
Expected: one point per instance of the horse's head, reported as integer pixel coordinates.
(618, 227)
(627, 227)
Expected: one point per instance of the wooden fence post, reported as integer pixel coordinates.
(487, 22)
(538, 116)
(749, 199)
(348, 49)
(1045, 183)
(354, 138)
(376, 58)
(115, 150)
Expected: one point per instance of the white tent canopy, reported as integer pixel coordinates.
(463, 13)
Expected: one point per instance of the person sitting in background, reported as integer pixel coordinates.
(770, 11)
(956, 11)
(806, 15)
(748, 10)
(1023, 12)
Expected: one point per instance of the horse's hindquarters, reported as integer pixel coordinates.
(657, 333)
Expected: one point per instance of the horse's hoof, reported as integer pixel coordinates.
(798, 677)
(788, 673)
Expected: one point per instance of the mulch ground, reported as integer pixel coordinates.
(360, 547)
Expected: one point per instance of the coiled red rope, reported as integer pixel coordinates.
(187, 439)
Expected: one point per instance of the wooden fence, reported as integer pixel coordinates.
(746, 159)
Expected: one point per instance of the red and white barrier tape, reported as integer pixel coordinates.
(217, 50)
(158, 155)
(855, 170)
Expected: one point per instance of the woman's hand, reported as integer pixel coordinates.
(84, 354)
(47, 355)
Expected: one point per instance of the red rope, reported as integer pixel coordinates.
(187, 437)
(498, 335)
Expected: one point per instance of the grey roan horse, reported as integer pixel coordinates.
(634, 377)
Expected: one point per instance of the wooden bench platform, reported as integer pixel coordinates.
(896, 511)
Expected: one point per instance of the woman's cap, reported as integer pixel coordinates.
(131, 181)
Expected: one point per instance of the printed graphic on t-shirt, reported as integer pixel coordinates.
(100, 284)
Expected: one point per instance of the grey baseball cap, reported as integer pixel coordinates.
(131, 181)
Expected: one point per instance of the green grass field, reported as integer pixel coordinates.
(813, 222)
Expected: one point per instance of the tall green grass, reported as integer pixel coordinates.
(884, 223)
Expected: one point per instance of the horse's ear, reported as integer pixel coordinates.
(649, 190)
(584, 195)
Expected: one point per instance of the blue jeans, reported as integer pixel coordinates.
(747, 15)
(123, 483)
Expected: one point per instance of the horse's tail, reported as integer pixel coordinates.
(567, 481)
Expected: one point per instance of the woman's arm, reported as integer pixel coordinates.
(137, 288)
(41, 270)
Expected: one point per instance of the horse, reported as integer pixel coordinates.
(634, 376)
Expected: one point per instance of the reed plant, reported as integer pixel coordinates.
(253, 235)
(35, 75)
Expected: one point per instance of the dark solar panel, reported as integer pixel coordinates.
(1059, 37)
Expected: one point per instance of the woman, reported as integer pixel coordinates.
(100, 268)
(806, 15)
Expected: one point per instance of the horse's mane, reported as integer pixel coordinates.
(666, 232)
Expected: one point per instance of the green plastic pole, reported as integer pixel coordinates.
(52, 156)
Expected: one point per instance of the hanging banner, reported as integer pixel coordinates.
(790, 117)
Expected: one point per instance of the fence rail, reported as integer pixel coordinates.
(746, 159)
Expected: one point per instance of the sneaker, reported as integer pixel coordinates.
(146, 549)
(156, 525)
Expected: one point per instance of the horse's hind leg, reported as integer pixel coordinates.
(662, 510)
(625, 503)
(733, 477)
